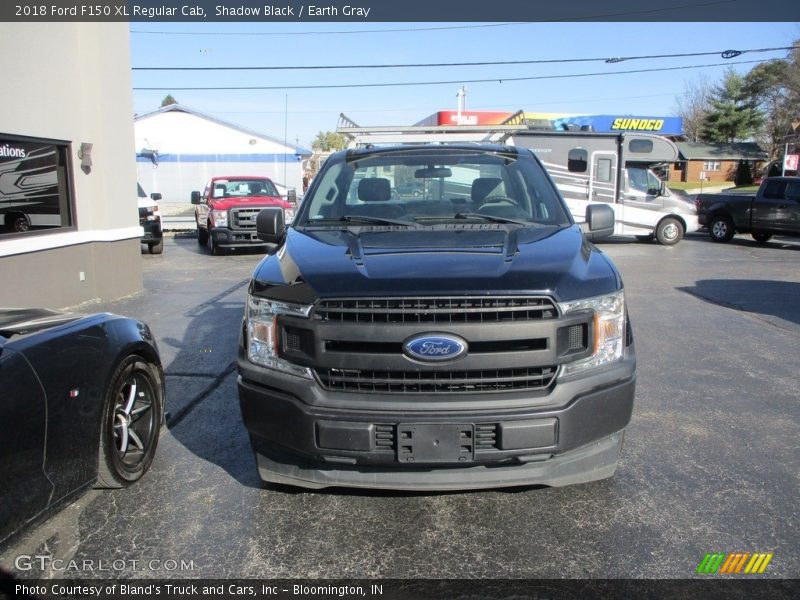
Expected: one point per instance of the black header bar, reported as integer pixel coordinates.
(365, 11)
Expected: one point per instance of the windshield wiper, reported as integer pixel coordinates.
(376, 220)
(492, 218)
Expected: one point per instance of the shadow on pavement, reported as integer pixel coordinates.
(779, 299)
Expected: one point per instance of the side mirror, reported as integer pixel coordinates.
(270, 225)
(155, 196)
(599, 221)
(195, 197)
(662, 189)
(291, 196)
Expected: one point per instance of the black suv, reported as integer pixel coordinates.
(470, 338)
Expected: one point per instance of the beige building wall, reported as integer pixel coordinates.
(72, 81)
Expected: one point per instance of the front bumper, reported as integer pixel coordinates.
(233, 238)
(305, 436)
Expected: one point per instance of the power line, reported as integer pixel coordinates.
(452, 82)
(346, 32)
(724, 53)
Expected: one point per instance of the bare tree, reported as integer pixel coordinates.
(692, 106)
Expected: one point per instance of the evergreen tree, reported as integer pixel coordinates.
(733, 115)
(775, 86)
(168, 99)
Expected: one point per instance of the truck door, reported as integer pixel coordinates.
(778, 208)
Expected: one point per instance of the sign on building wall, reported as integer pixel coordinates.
(34, 185)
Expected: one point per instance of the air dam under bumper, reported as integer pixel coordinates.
(230, 238)
(315, 447)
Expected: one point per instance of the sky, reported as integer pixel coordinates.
(297, 115)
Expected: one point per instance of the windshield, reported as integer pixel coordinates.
(242, 188)
(429, 184)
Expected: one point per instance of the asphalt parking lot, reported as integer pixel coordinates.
(710, 463)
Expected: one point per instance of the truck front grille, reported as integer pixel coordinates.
(244, 218)
(436, 310)
(491, 380)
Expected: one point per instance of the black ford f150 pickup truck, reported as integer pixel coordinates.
(774, 210)
(468, 337)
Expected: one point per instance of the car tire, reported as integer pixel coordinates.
(669, 231)
(646, 238)
(133, 407)
(213, 247)
(157, 248)
(18, 222)
(202, 236)
(721, 228)
(761, 238)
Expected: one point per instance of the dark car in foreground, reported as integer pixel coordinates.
(471, 338)
(774, 210)
(81, 403)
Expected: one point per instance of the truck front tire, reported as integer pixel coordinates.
(156, 248)
(669, 232)
(761, 238)
(202, 236)
(213, 247)
(721, 228)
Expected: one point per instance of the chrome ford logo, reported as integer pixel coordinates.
(431, 347)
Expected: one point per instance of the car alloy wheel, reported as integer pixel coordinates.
(131, 422)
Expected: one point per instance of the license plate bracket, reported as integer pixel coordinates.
(420, 443)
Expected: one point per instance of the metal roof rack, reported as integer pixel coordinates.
(429, 134)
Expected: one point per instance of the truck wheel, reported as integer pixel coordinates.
(202, 236)
(213, 247)
(721, 228)
(157, 248)
(669, 231)
(761, 238)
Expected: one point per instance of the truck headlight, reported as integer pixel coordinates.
(288, 215)
(609, 331)
(219, 218)
(262, 333)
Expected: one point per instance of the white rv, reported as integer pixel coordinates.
(615, 169)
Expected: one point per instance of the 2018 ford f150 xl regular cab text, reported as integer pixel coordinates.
(469, 337)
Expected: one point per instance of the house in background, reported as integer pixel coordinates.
(717, 162)
(179, 149)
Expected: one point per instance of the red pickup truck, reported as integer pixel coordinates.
(227, 208)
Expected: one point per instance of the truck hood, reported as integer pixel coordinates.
(482, 259)
(254, 201)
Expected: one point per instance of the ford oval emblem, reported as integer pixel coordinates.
(431, 347)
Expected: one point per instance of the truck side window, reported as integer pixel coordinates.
(577, 160)
(775, 190)
(793, 191)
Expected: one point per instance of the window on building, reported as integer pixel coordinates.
(711, 165)
(35, 185)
